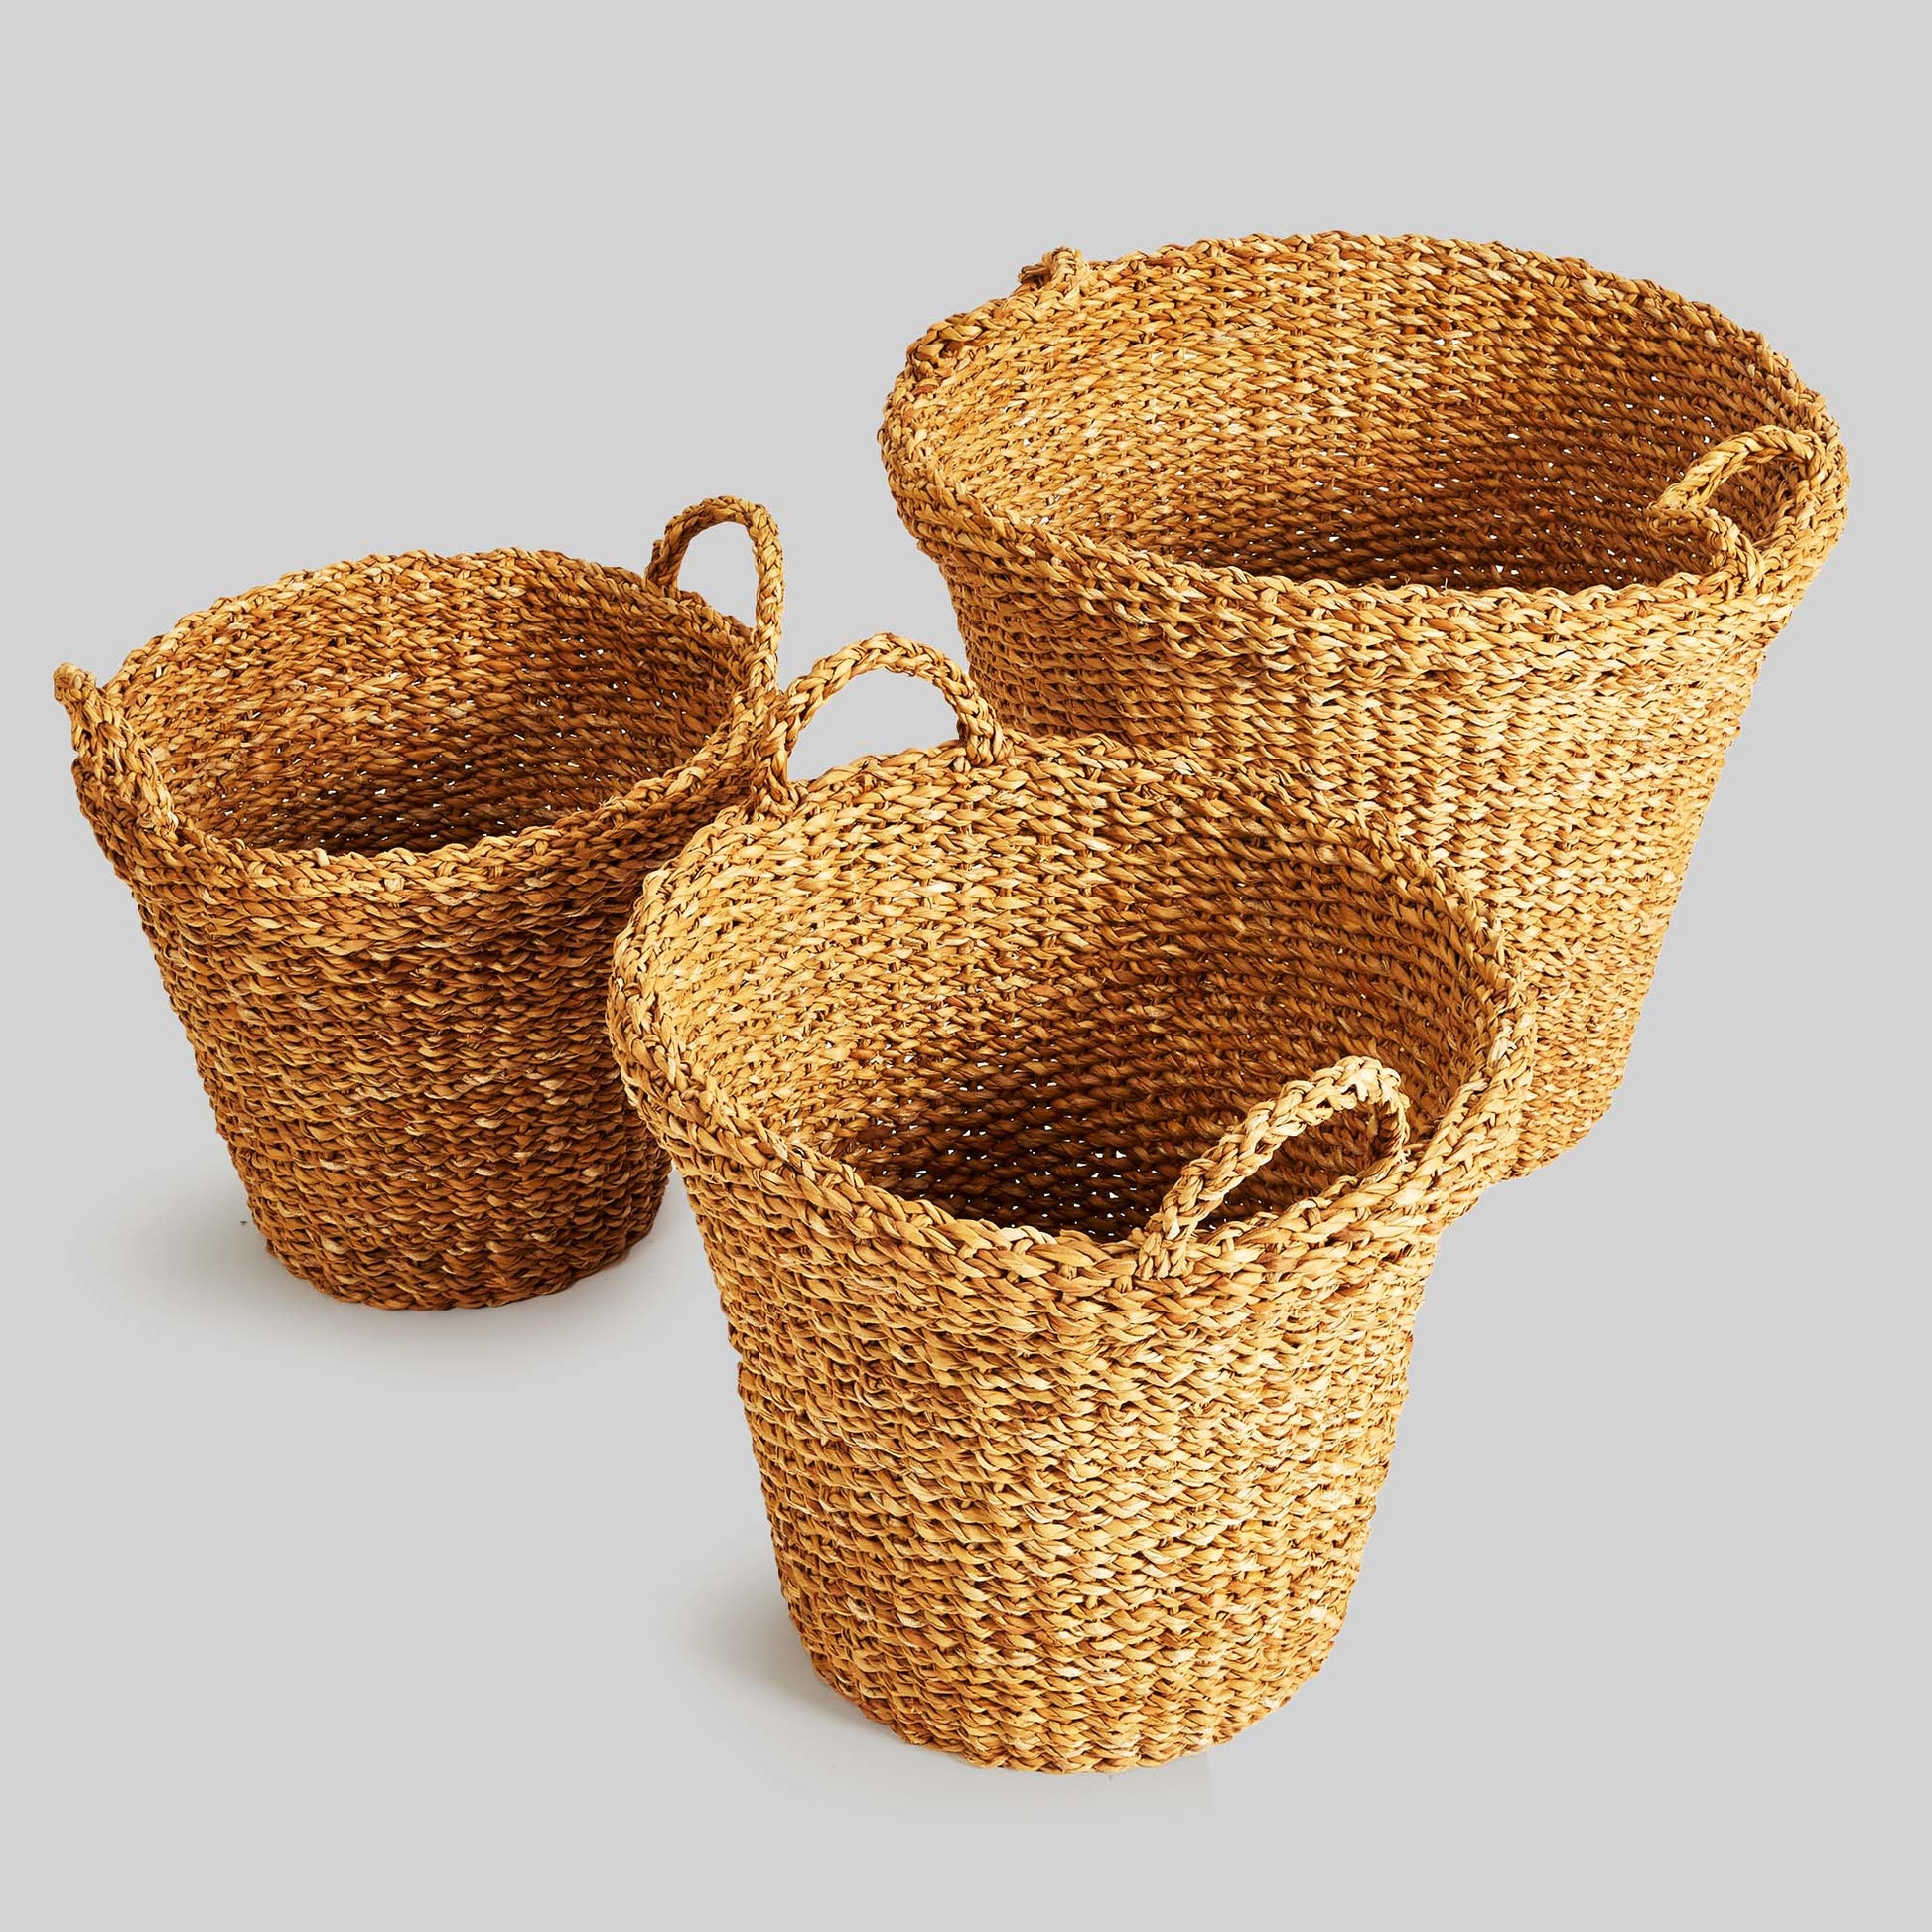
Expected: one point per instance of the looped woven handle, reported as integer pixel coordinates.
(114, 757)
(801, 701)
(1245, 1149)
(667, 555)
(1687, 501)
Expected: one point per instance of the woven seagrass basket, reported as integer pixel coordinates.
(1491, 542)
(1070, 1130)
(384, 822)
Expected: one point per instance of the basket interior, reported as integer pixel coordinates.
(1040, 1017)
(417, 701)
(1364, 411)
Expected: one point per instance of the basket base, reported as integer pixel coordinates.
(1570, 1092)
(1552, 1138)
(993, 1745)
(498, 1276)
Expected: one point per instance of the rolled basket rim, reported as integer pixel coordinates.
(950, 345)
(1104, 1266)
(729, 742)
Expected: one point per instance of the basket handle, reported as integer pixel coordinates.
(802, 699)
(1246, 1147)
(667, 555)
(1687, 501)
(112, 755)
(1059, 271)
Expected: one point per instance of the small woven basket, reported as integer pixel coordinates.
(1437, 523)
(382, 822)
(1069, 1448)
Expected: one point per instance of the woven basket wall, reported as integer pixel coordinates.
(1070, 1131)
(384, 822)
(1490, 541)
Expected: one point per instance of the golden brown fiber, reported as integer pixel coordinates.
(1438, 525)
(1069, 1448)
(382, 822)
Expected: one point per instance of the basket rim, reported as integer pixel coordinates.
(952, 343)
(730, 744)
(1100, 1267)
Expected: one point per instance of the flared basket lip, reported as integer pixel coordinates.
(1104, 1266)
(729, 744)
(910, 451)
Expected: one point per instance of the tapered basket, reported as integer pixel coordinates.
(384, 822)
(1490, 542)
(1070, 1130)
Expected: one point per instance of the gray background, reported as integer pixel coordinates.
(318, 1615)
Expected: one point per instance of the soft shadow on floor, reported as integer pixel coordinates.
(193, 1248)
(196, 1240)
(745, 1631)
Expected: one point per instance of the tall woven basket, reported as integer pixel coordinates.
(384, 822)
(1070, 1131)
(1490, 541)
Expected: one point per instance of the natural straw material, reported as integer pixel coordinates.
(384, 822)
(1490, 541)
(1069, 1448)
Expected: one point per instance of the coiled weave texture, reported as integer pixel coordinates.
(1069, 1448)
(1488, 541)
(384, 822)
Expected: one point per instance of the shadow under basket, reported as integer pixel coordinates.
(384, 822)
(1070, 1130)
(1485, 541)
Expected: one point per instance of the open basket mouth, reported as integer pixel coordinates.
(1358, 411)
(416, 704)
(1029, 990)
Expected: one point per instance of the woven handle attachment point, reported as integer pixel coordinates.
(111, 754)
(1685, 504)
(802, 699)
(1246, 1147)
(1060, 271)
(667, 556)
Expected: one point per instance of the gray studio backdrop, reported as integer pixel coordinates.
(318, 1615)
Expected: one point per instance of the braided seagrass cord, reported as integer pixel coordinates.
(1070, 1130)
(1438, 525)
(382, 822)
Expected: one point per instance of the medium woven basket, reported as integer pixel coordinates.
(384, 822)
(1488, 541)
(1070, 1449)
